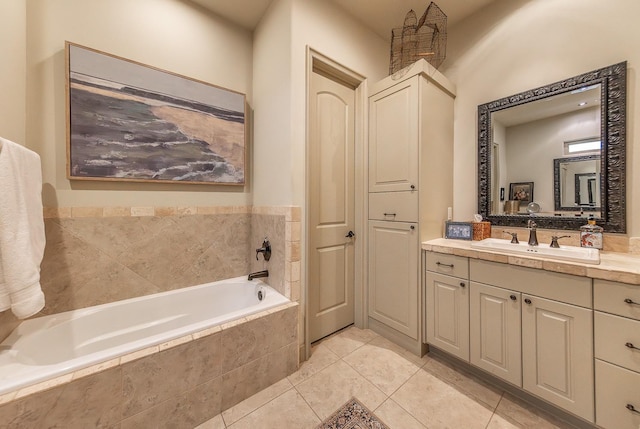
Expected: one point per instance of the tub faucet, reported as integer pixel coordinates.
(533, 237)
(258, 274)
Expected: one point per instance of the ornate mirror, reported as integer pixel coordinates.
(566, 140)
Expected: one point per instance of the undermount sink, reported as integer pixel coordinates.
(564, 253)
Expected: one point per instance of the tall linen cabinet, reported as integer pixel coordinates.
(410, 171)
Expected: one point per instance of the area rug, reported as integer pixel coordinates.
(352, 415)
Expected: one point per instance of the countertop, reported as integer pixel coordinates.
(619, 267)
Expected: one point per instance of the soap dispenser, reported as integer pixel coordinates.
(591, 234)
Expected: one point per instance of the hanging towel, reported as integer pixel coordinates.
(22, 237)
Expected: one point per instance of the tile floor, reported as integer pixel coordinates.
(404, 391)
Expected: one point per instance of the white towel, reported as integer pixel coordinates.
(22, 237)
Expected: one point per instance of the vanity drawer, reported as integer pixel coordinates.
(394, 206)
(450, 265)
(616, 389)
(612, 334)
(561, 287)
(617, 298)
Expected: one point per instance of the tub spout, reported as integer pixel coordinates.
(258, 274)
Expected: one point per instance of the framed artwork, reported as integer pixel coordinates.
(458, 230)
(127, 121)
(521, 191)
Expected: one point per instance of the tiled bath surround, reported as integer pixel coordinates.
(181, 383)
(96, 255)
(104, 254)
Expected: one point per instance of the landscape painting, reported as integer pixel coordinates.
(132, 122)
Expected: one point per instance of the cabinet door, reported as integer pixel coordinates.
(495, 331)
(448, 314)
(393, 275)
(557, 354)
(393, 138)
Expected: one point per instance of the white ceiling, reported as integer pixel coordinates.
(379, 15)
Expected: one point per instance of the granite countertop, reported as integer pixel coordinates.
(619, 267)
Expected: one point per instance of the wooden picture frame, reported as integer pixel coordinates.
(127, 121)
(521, 191)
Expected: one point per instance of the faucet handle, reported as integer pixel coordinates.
(514, 236)
(554, 240)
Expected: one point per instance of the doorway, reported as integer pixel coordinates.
(333, 255)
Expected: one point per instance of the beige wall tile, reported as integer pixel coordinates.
(293, 231)
(86, 212)
(116, 211)
(56, 212)
(142, 211)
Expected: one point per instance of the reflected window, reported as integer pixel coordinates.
(583, 146)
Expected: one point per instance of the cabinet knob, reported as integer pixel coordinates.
(631, 346)
(413, 186)
(631, 408)
(412, 227)
(527, 300)
(512, 297)
(462, 284)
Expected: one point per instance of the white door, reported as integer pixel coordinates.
(331, 206)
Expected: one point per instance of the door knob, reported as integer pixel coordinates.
(350, 234)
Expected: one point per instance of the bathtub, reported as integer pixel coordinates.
(48, 347)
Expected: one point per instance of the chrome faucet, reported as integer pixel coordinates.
(258, 274)
(533, 237)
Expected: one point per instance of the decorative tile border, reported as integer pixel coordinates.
(78, 212)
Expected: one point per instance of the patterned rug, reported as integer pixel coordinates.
(352, 415)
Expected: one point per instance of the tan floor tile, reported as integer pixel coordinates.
(396, 417)
(214, 423)
(384, 367)
(465, 382)
(348, 340)
(254, 402)
(524, 415)
(321, 357)
(381, 341)
(288, 410)
(439, 405)
(335, 385)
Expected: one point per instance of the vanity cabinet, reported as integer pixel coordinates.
(529, 327)
(410, 187)
(617, 352)
(447, 303)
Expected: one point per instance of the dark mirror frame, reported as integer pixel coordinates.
(613, 80)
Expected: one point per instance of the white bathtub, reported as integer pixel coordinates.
(47, 347)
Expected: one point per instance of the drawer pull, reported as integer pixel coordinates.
(632, 408)
(389, 214)
(630, 301)
(440, 264)
(631, 346)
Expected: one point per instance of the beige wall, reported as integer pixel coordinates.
(13, 81)
(173, 35)
(515, 45)
(280, 49)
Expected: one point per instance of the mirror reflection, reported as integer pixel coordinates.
(529, 138)
(577, 184)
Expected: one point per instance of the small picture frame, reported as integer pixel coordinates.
(521, 191)
(458, 230)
